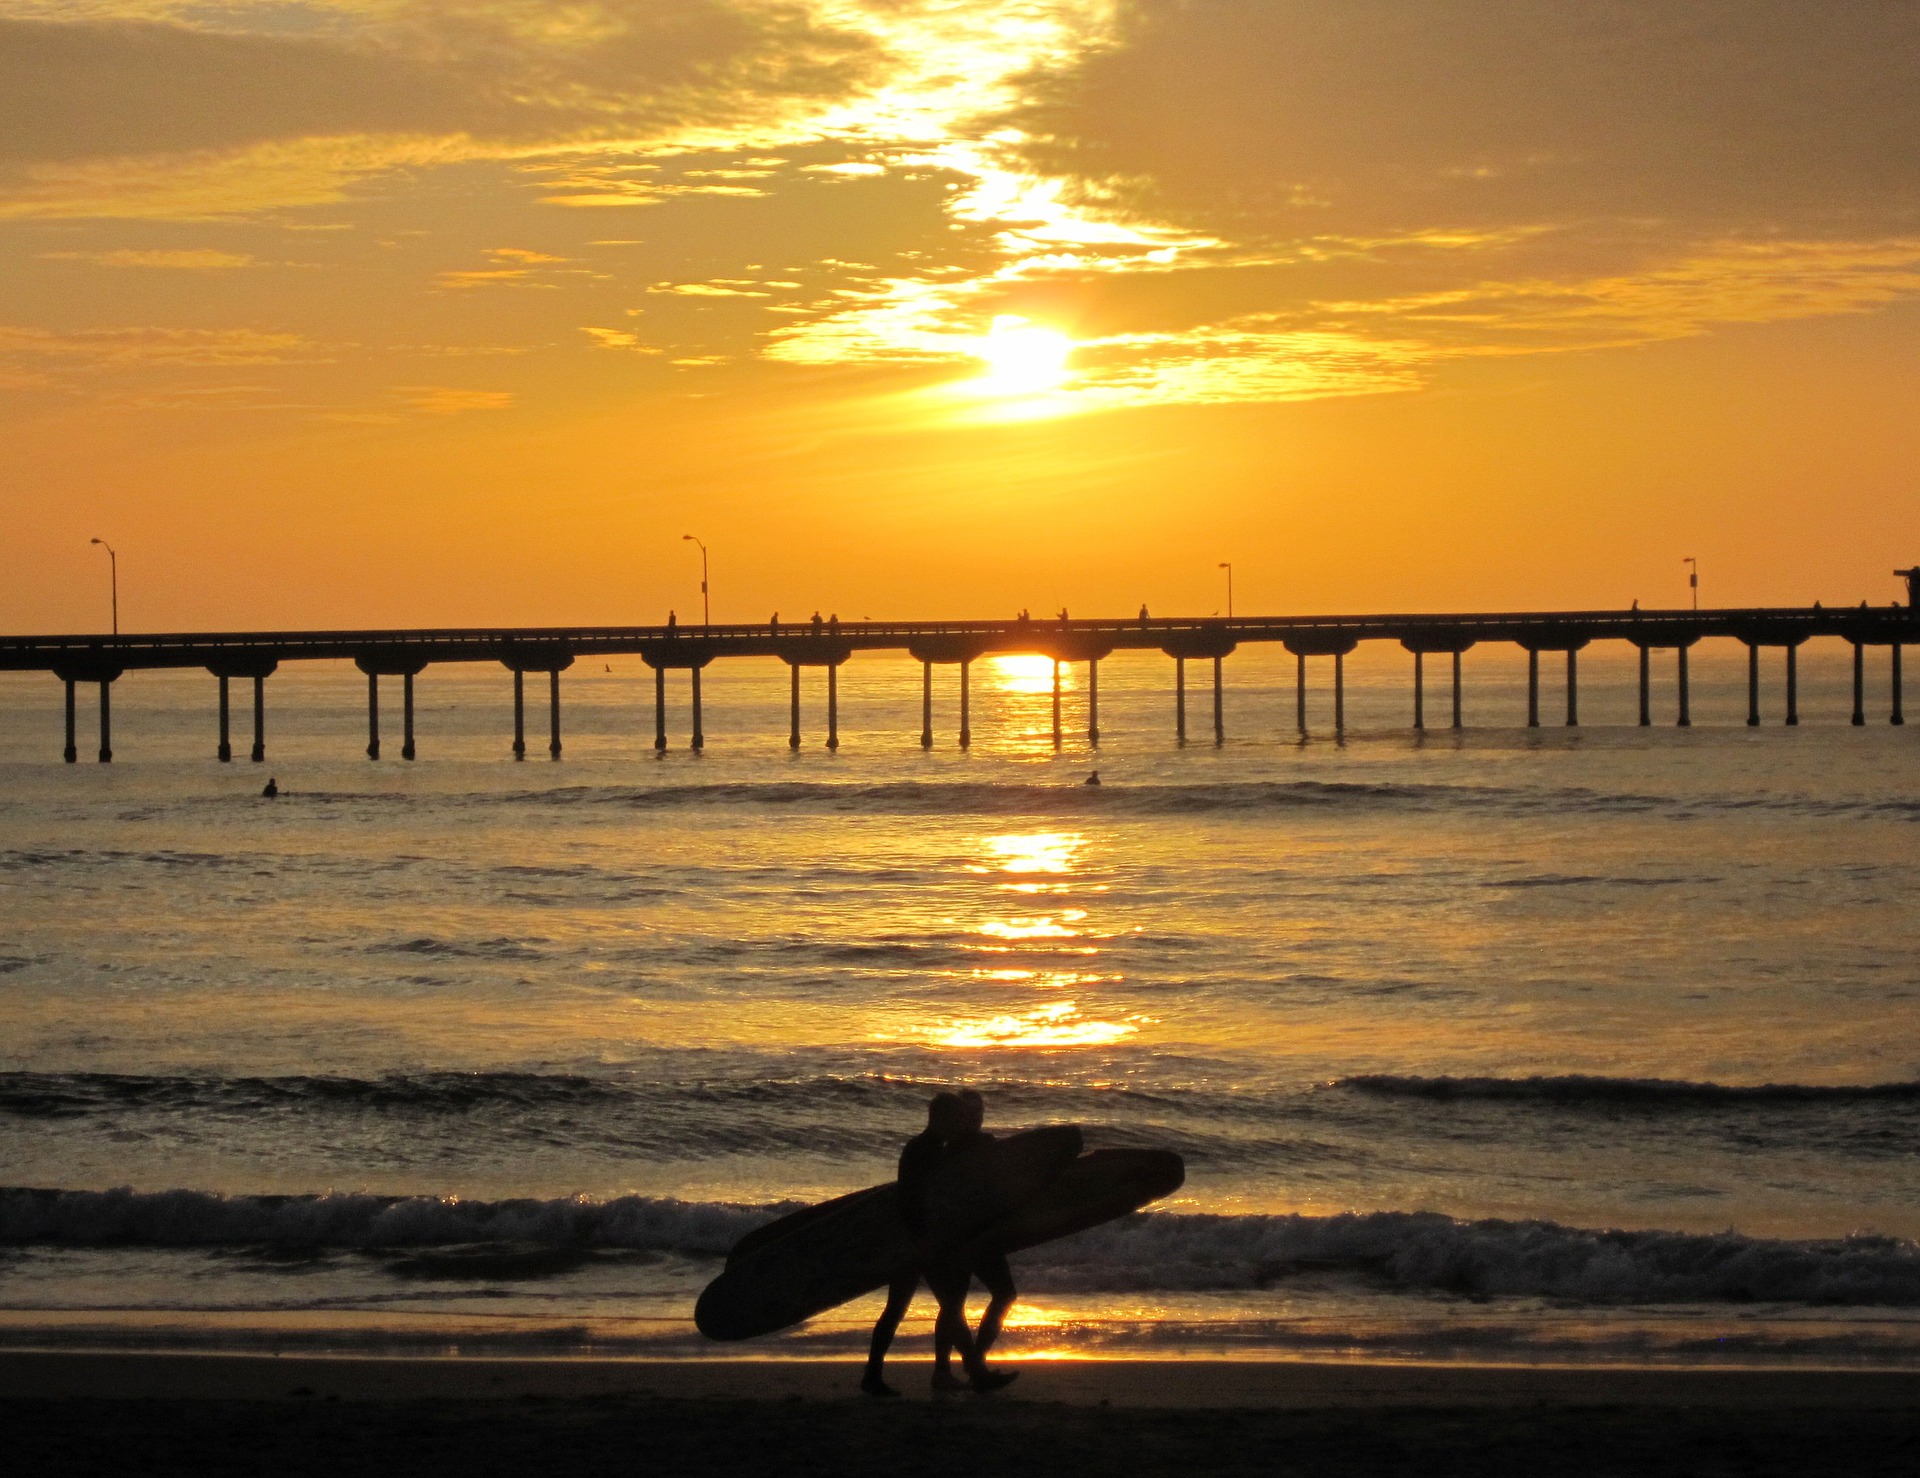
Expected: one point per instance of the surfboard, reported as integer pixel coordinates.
(822, 1256)
(1100, 1186)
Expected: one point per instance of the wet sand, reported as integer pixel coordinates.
(71, 1413)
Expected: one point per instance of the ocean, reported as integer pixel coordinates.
(1592, 1043)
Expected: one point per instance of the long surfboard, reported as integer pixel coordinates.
(825, 1255)
(1099, 1187)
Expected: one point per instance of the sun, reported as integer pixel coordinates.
(1022, 357)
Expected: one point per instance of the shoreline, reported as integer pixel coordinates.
(1199, 1383)
(211, 1416)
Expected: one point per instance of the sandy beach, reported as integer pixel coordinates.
(71, 1413)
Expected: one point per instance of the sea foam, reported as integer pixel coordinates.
(1409, 1251)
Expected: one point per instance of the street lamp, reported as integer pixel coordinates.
(706, 606)
(113, 565)
(1227, 565)
(1693, 578)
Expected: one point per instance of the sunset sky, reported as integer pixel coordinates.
(384, 312)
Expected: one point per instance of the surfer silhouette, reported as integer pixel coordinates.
(953, 1124)
(990, 1267)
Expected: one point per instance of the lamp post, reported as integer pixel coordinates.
(1693, 578)
(113, 567)
(706, 606)
(1227, 565)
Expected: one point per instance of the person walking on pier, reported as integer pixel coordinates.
(816, 623)
(1143, 614)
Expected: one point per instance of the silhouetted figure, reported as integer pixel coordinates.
(1636, 607)
(1093, 779)
(1143, 613)
(774, 624)
(1063, 615)
(833, 623)
(1912, 577)
(953, 1124)
(816, 623)
(989, 1267)
(673, 620)
(271, 788)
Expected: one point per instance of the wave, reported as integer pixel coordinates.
(1652, 1092)
(61, 1095)
(1407, 1251)
(744, 1082)
(916, 797)
(125, 1218)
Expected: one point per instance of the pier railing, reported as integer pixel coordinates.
(102, 659)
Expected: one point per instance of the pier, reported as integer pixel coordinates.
(102, 660)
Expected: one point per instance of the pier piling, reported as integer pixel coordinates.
(1896, 716)
(1859, 684)
(1419, 692)
(1093, 697)
(1339, 694)
(1533, 688)
(1300, 692)
(1056, 702)
(833, 705)
(1219, 706)
(793, 706)
(660, 707)
(1456, 690)
(259, 718)
(106, 721)
(553, 713)
(407, 751)
(699, 716)
(1646, 686)
(225, 751)
(1753, 685)
(926, 705)
(1685, 721)
(72, 752)
(1180, 699)
(373, 715)
(519, 714)
(966, 691)
(1793, 686)
(1573, 688)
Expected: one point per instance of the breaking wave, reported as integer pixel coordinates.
(1651, 1092)
(1416, 1252)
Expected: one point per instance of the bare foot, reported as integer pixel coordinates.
(946, 1380)
(873, 1385)
(994, 1380)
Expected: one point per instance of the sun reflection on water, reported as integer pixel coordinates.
(1058, 1024)
(1047, 926)
(1041, 979)
(1028, 673)
(1040, 851)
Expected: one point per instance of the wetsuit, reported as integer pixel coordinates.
(950, 1281)
(920, 1161)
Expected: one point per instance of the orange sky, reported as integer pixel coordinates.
(377, 312)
